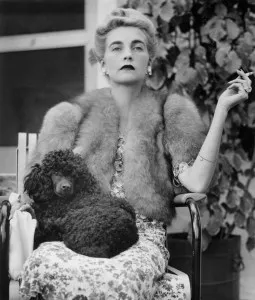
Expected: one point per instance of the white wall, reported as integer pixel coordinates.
(104, 7)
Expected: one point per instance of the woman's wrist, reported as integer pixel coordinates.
(221, 110)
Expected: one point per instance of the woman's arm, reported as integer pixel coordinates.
(197, 178)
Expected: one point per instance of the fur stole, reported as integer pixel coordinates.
(161, 132)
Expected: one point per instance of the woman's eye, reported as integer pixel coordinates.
(116, 49)
(138, 48)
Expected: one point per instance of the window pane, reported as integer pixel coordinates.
(33, 81)
(30, 16)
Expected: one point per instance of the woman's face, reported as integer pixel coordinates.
(126, 55)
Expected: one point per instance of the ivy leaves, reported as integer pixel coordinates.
(223, 31)
(228, 59)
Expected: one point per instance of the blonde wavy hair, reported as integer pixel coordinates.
(125, 17)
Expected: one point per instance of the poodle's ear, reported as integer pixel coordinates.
(38, 185)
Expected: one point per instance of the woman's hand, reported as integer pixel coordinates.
(23, 203)
(237, 91)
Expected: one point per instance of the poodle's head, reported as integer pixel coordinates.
(61, 173)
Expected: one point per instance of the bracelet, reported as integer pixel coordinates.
(202, 158)
(181, 167)
(178, 169)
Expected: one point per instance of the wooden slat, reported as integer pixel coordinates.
(26, 145)
(48, 40)
(32, 139)
(21, 159)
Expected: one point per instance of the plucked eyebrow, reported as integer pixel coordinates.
(138, 42)
(115, 43)
(132, 43)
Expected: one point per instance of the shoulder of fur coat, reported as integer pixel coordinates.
(185, 130)
(93, 98)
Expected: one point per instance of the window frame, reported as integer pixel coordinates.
(94, 10)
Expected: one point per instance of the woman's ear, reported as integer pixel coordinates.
(102, 63)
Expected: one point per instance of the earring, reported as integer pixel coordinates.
(103, 68)
(104, 71)
(149, 70)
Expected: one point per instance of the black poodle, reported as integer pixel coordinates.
(70, 207)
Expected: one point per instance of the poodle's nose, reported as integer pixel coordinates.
(65, 187)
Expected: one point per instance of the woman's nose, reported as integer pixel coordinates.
(128, 55)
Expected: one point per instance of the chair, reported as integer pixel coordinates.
(9, 288)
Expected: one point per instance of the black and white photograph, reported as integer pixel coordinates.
(127, 149)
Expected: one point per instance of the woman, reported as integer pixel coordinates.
(136, 143)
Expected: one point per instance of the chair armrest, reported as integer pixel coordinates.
(190, 200)
(181, 200)
(4, 198)
(5, 208)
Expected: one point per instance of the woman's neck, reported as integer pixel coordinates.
(125, 96)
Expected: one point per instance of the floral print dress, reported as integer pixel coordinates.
(55, 272)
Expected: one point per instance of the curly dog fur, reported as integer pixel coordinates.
(88, 221)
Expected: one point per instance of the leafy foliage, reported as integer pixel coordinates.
(201, 45)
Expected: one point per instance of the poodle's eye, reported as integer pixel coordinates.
(55, 175)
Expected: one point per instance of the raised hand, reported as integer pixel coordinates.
(237, 92)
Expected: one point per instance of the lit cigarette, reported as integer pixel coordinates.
(249, 73)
